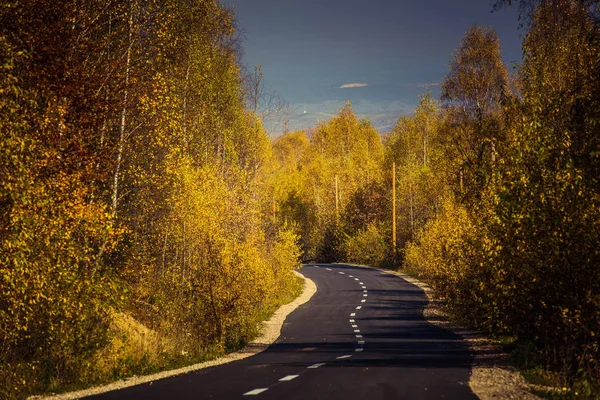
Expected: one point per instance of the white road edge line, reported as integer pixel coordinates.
(256, 391)
(288, 378)
(315, 366)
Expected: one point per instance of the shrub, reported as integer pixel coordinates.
(369, 246)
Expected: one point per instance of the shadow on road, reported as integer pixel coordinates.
(392, 324)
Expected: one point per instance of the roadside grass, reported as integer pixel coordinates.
(285, 296)
(133, 350)
(409, 272)
(136, 350)
(544, 381)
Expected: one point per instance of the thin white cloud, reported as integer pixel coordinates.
(353, 85)
(426, 85)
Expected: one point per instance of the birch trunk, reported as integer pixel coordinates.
(123, 124)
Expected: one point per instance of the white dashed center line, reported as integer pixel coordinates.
(288, 378)
(255, 392)
(360, 342)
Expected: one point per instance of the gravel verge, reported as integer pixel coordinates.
(271, 330)
(492, 377)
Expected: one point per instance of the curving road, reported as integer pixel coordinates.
(361, 336)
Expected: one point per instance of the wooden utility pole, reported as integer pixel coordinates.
(394, 209)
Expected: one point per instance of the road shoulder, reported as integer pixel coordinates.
(492, 377)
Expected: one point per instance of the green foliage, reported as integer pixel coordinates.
(332, 245)
(369, 246)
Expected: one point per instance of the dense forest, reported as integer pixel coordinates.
(135, 230)
(147, 220)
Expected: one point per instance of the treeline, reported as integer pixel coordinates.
(498, 190)
(135, 223)
(328, 186)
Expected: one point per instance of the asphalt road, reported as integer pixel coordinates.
(361, 336)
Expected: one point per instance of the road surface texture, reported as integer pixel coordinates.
(361, 336)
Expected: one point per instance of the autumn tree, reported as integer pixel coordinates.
(415, 147)
(527, 8)
(344, 155)
(133, 189)
(522, 259)
(57, 288)
(264, 101)
(472, 94)
(546, 203)
(328, 180)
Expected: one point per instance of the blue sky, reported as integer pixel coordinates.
(309, 49)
